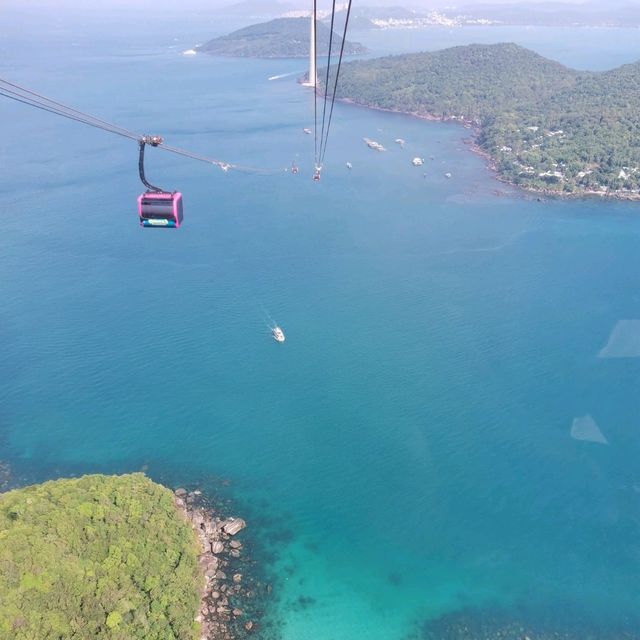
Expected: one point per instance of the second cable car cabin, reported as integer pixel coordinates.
(156, 207)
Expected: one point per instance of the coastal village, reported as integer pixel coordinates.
(559, 173)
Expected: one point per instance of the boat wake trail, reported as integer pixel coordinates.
(283, 75)
(268, 320)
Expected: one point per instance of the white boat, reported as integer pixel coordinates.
(417, 162)
(278, 334)
(189, 52)
(349, 166)
(447, 175)
(307, 131)
(400, 141)
(372, 144)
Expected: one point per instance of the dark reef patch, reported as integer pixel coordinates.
(558, 621)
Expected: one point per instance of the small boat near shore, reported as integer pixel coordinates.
(372, 144)
(278, 334)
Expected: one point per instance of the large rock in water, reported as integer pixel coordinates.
(217, 547)
(233, 526)
(280, 38)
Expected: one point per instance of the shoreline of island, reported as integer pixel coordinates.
(491, 162)
(219, 587)
(227, 589)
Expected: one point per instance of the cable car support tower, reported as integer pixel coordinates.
(312, 78)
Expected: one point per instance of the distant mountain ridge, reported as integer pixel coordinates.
(279, 38)
(544, 126)
(554, 14)
(622, 14)
(616, 13)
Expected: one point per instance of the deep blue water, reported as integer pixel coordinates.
(414, 432)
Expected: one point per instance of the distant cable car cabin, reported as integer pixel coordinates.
(156, 207)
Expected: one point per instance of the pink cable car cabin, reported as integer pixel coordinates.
(160, 209)
(156, 207)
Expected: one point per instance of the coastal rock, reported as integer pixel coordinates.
(197, 517)
(217, 547)
(210, 573)
(213, 532)
(248, 625)
(232, 526)
(205, 559)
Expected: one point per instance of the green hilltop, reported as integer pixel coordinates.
(279, 38)
(545, 126)
(97, 557)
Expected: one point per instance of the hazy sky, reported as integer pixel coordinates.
(214, 4)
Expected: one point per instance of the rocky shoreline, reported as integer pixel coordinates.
(492, 162)
(228, 603)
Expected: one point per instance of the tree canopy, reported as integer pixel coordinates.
(545, 125)
(279, 38)
(96, 557)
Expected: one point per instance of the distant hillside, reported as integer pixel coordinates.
(363, 17)
(561, 13)
(545, 126)
(280, 38)
(595, 14)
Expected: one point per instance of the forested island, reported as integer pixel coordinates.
(544, 126)
(280, 38)
(117, 557)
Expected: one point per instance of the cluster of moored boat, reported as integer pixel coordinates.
(376, 146)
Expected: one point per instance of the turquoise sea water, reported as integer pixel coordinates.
(410, 444)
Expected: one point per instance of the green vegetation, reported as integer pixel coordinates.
(544, 125)
(96, 557)
(280, 38)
